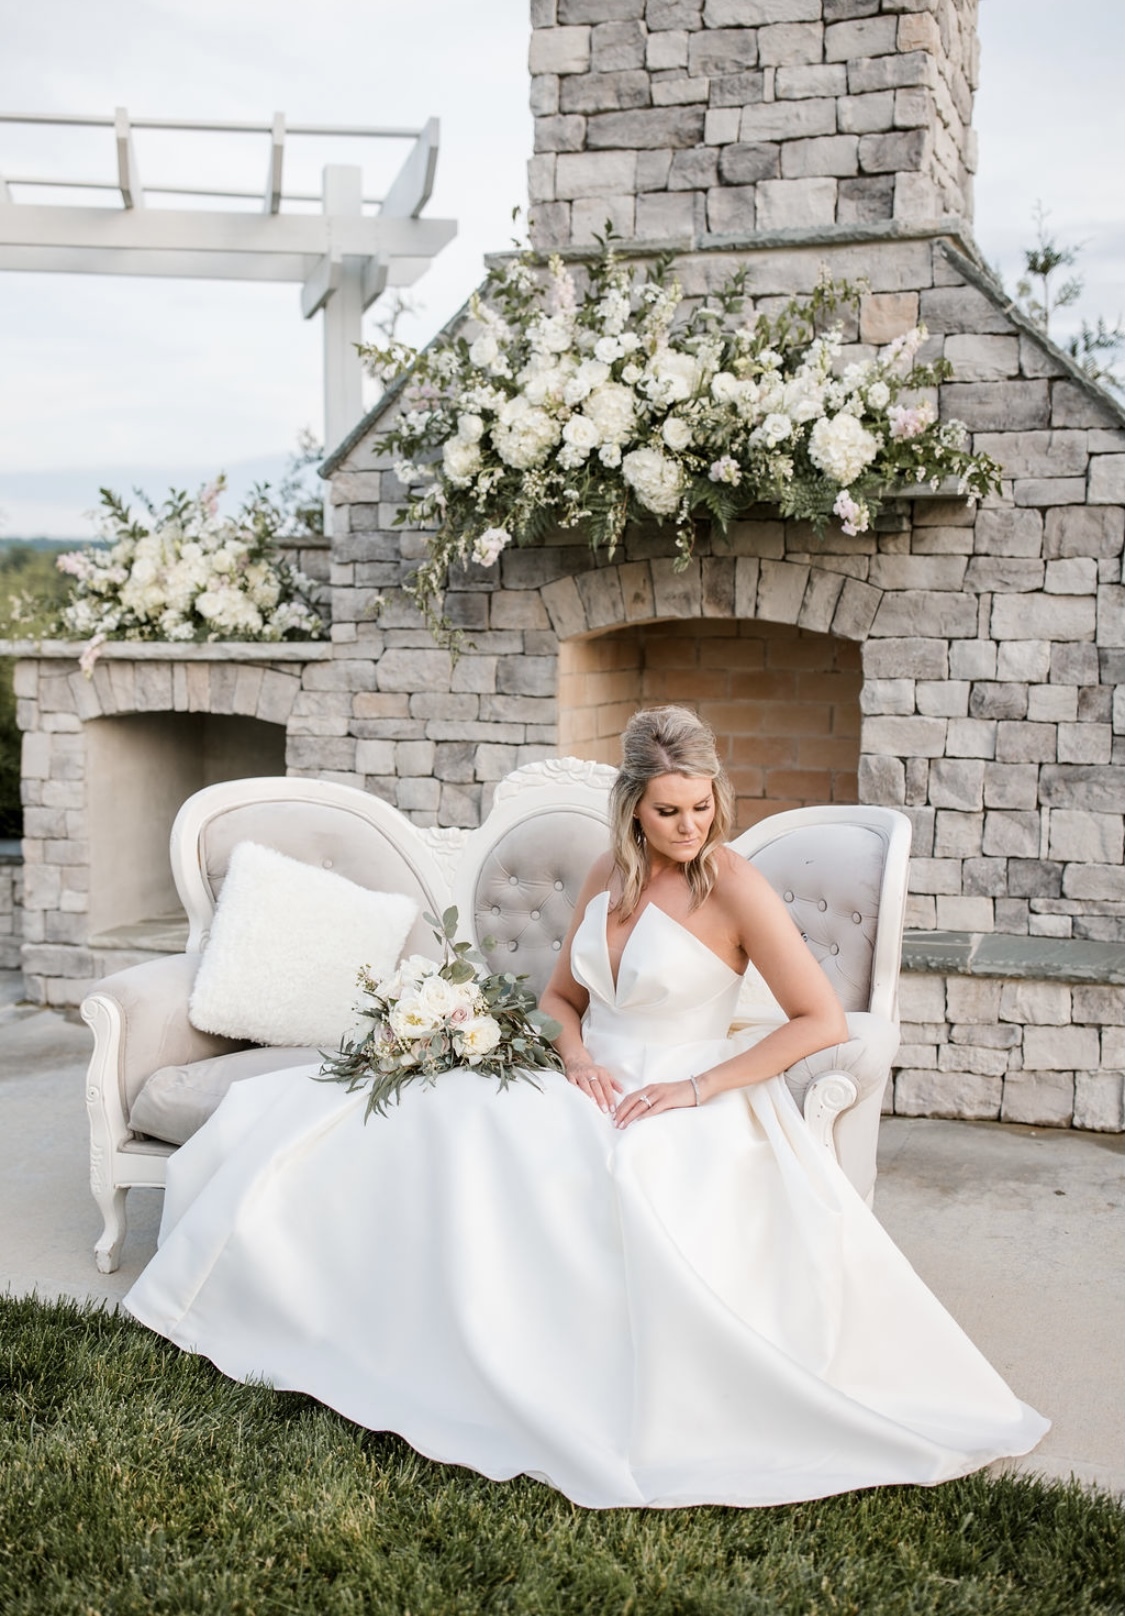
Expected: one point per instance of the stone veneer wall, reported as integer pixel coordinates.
(11, 903)
(673, 118)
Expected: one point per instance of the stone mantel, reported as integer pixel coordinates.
(175, 651)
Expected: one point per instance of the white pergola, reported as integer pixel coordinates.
(341, 257)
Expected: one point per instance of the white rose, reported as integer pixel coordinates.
(879, 395)
(774, 430)
(656, 480)
(478, 1037)
(841, 447)
(410, 1018)
(673, 376)
(607, 349)
(469, 429)
(551, 333)
(676, 433)
(725, 387)
(582, 433)
(591, 373)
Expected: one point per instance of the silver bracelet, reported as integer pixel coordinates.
(694, 1088)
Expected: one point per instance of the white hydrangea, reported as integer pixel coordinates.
(841, 447)
(656, 480)
(672, 376)
(488, 546)
(461, 461)
(524, 434)
(612, 408)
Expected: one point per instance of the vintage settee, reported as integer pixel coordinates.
(843, 871)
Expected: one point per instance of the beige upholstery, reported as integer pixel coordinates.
(516, 880)
(527, 889)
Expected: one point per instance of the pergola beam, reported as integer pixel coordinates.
(277, 157)
(128, 174)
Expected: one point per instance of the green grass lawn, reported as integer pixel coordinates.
(135, 1479)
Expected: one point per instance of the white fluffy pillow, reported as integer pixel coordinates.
(286, 943)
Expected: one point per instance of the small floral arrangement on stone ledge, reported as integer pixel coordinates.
(183, 572)
(429, 1018)
(621, 405)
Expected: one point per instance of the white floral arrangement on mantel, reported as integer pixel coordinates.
(623, 402)
(184, 573)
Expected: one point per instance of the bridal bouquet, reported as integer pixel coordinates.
(427, 1018)
(183, 572)
(589, 408)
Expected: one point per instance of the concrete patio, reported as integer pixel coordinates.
(1018, 1230)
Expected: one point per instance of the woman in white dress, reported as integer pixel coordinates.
(642, 1282)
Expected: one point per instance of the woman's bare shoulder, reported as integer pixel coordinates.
(738, 882)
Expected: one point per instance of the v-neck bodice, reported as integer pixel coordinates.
(671, 989)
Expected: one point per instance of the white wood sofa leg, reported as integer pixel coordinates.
(111, 1204)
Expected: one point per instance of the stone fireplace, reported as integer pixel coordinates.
(961, 664)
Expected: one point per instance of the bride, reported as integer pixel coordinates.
(643, 1282)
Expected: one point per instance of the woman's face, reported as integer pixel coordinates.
(676, 813)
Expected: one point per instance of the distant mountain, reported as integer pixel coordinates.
(53, 504)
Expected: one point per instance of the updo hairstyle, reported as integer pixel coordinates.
(665, 740)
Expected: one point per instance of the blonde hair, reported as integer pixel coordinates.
(665, 740)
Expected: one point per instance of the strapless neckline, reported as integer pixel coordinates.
(649, 908)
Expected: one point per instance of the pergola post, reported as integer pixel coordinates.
(343, 311)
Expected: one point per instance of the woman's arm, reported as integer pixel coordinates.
(565, 1000)
(765, 932)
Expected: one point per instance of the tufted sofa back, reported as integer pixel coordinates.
(527, 887)
(329, 826)
(842, 874)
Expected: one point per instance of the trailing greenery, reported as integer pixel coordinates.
(134, 1479)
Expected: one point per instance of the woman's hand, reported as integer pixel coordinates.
(654, 1098)
(595, 1081)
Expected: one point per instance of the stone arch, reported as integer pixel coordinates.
(747, 587)
(235, 689)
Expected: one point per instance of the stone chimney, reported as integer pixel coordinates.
(683, 120)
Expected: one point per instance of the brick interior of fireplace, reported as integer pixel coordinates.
(783, 702)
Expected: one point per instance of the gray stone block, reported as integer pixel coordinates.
(863, 201)
(1010, 834)
(655, 127)
(1075, 664)
(1006, 574)
(865, 114)
(1039, 1004)
(942, 698)
(904, 737)
(414, 670)
(1044, 491)
(1006, 531)
(694, 170)
(928, 613)
(618, 46)
(978, 1059)
(735, 90)
(667, 49)
(1023, 660)
(742, 164)
(1099, 1101)
(1026, 742)
(1107, 479)
(972, 660)
(868, 37)
(902, 151)
(722, 50)
(1052, 704)
(957, 835)
(824, 154)
(1051, 1049)
(935, 875)
(605, 92)
(1011, 785)
(985, 877)
(1043, 617)
(923, 1093)
(1089, 838)
(810, 81)
(970, 737)
(562, 133)
(887, 696)
(755, 13)
(593, 173)
(788, 120)
(1103, 885)
(882, 781)
(957, 783)
(676, 594)
(661, 215)
(1085, 743)
(908, 658)
(1044, 1099)
(786, 44)
(856, 610)
(896, 72)
(660, 14)
(559, 50)
(918, 571)
(1081, 786)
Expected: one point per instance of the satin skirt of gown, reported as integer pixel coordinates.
(696, 1309)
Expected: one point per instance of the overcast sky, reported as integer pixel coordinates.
(119, 378)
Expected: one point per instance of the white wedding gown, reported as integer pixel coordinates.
(697, 1309)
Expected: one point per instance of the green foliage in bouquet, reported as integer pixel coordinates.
(590, 408)
(428, 1018)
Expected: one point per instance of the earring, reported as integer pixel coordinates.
(638, 833)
